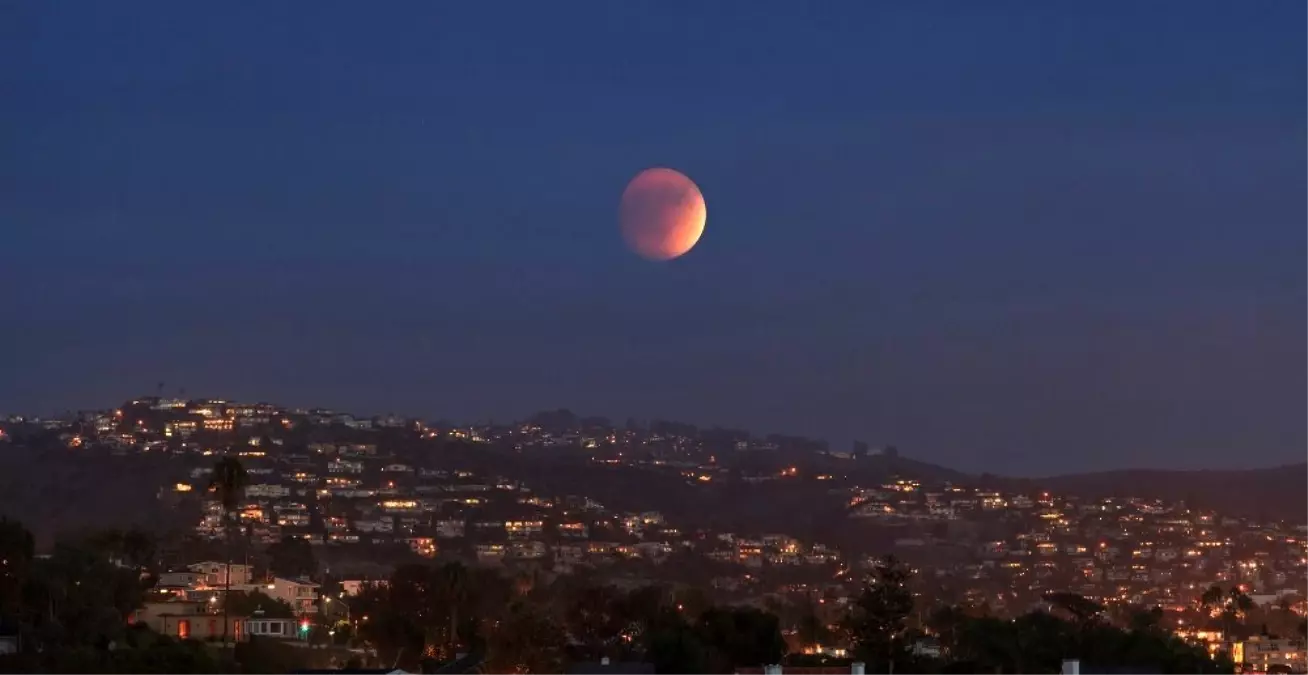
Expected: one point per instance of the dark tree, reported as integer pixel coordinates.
(593, 618)
(526, 641)
(1076, 606)
(17, 547)
(292, 557)
(677, 648)
(741, 637)
(228, 485)
(880, 614)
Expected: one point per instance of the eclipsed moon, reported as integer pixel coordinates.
(662, 214)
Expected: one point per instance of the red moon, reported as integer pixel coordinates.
(662, 214)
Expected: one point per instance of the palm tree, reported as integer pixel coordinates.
(1236, 607)
(1211, 598)
(453, 583)
(1241, 603)
(228, 484)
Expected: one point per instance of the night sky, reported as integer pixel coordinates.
(1017, 237)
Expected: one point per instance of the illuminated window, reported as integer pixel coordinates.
(183, 629)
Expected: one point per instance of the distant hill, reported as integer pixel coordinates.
(1276, 492)
(60, 491)
(56, 491)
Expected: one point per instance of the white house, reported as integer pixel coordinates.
(302, 596)
(282, 629)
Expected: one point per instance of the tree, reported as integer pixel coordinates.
(1081, 609)
(592, 618)
(676, 648)
(76, 597)
(1146, 620)
(292, 557)
(1038, 642)
(1211, 598)
(139, 548)
(134, 548)
(1239, 602)
(740, 637)
(945, 622)
(144, 652)
(430, 612)
(526, 641)
(452, 582)
(810, 627)
(880, 614)
(641, 611)
(395, 634)
(228, 485)
(1236, 606)
(17, 548)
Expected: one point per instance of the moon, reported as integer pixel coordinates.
(662, 214)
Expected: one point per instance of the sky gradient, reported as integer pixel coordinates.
(1023, 238)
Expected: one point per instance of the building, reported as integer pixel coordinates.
(215, 573)
(1262, 654)
(180, 428)
(180, 580)
(218, 424)
(267, 491)
(302, 596)
(282, 629)
(188, 620)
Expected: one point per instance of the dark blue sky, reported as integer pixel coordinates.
(1018, 237)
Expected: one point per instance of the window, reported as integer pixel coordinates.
(183, 629)
(213, 627)
(275, 627)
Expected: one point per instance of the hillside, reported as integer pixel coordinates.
(1276, 492)
(57, 491)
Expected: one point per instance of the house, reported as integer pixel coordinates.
(215, 573)
(188, 620)
(1262, 654)
(179, 580)
(527, 550)
(302, 596)
(355, 586)
(450, 528)
(280, 629)
(518, 529)
(490, 553)
(344, 466)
